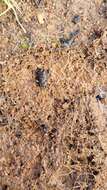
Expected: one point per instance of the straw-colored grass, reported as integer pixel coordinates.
(12, 5)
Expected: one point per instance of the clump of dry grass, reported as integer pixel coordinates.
(12, 5)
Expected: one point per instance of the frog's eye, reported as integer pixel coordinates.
(98, 97)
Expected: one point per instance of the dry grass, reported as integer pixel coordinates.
(12, 5)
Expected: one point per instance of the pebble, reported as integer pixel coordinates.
(41, 17)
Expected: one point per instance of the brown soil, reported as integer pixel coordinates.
(53, 121)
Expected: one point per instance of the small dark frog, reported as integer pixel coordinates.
(76, 19)
(96, 34)
(41, 76)
(103, 9)
(37, 2)
(44, 128)
(74, 33)
(3, 119)
(66, 42)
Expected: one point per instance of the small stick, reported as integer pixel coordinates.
(5, 11)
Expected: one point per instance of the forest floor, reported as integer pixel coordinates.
(53, 96)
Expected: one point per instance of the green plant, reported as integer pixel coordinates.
(24, 43)
(12, 5)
